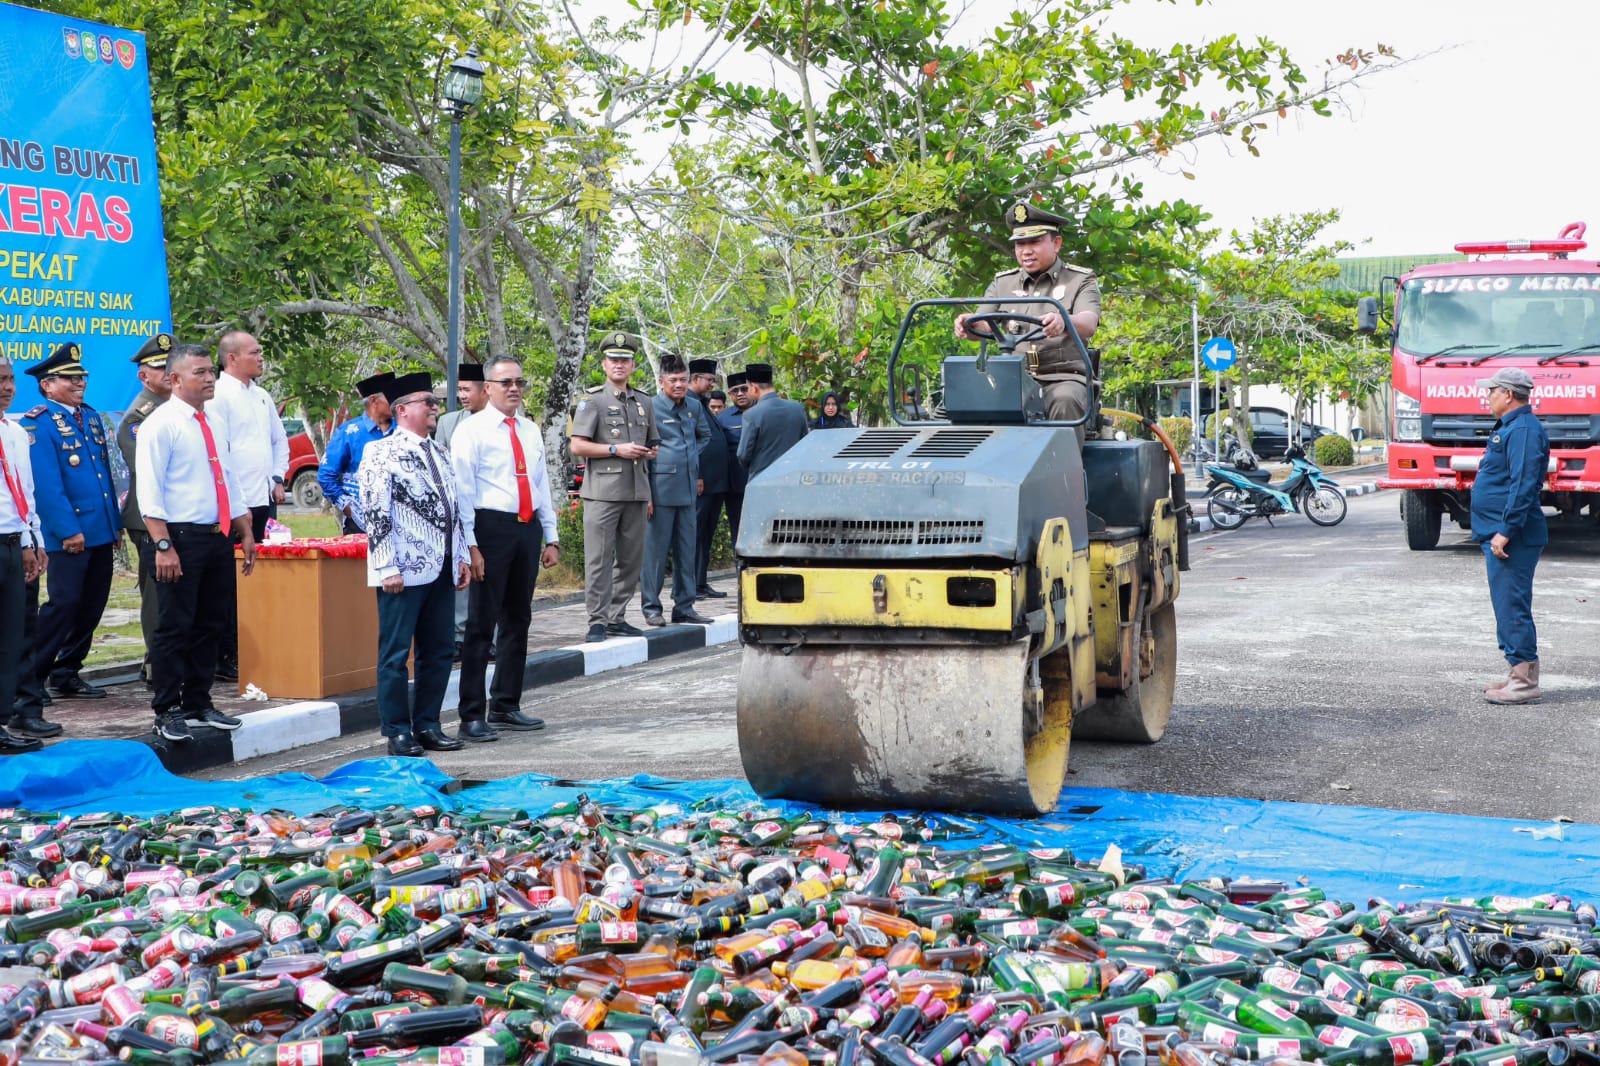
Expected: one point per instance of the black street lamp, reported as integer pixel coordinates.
(462, 88)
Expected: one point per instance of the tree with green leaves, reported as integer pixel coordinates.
(886, 134)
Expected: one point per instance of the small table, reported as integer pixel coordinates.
(308, 622)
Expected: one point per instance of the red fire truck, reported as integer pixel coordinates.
(1512, 303)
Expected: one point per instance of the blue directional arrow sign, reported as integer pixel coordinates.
(1218, 354)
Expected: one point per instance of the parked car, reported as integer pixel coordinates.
(1269, 431)
(302, 477)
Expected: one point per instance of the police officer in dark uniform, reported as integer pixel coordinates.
(714, 459)
(78, 508)
(151, 359)
(614, 432)
(1040, 271)
(1508, 521)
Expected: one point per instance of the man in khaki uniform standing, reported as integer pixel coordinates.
(1054, 361)
(152, 363)
(614, 429)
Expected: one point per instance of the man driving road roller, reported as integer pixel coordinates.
(1055, 361)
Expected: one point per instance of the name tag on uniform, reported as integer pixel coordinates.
(669, 421)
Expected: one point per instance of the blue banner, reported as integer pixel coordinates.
(82, 254)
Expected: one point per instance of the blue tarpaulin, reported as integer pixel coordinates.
(1353, 853)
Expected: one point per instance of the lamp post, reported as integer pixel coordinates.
(462, 88)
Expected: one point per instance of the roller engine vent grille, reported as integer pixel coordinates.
(833, 532)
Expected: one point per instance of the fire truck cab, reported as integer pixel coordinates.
(1512, 303)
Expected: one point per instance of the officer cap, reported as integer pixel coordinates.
(620, 345)
(738, 379)
(373, 386)
(702, 366)
(65, 362)
(469, 372)
(399, 386)
(759, 373)
(1028, 222)
(1518, 380)
(154, 352)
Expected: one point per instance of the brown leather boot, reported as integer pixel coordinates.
(1494, 687)
(1522, 688)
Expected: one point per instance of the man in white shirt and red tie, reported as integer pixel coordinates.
(22, 557)
(417, 559)
(192, 508)
(498, 456)
(255, 447)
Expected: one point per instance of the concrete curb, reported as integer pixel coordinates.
(295, 725)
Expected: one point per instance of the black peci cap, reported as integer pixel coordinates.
(399, 386)
(758, 373)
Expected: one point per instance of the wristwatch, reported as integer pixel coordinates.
(163, 545)
(613, 449)
(276, 480)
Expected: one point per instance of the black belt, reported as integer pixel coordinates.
(13, 538)
(508, 516)
(193, 527)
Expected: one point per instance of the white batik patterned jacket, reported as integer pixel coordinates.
(408, 511)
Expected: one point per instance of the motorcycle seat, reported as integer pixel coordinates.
(1260, 477)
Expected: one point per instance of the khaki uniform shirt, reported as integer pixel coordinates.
(127, 439)
(611, 417)
(1051, 359)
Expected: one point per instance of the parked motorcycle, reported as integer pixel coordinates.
(1240, 492)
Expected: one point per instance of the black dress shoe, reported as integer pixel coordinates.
(10, 745)
(478, 732)
(691, 616)
(597, 633)
(709, 593)
(436, 740)
(228, 670)
(654, 620)
(36, 727)
(404, 746)
(515, 721)
(625, 629)
(76, 688)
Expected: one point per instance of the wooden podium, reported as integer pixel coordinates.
(308, 625)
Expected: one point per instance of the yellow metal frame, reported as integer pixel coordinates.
(911, 599)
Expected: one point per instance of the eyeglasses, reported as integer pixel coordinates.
(431, 401)
(510, 383)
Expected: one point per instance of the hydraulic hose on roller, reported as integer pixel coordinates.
(1180, 491)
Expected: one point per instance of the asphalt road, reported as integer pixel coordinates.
(1319, 665)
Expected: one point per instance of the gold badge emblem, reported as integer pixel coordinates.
(73, 460)
(163, 342)
(618, 340)
(1020, 213)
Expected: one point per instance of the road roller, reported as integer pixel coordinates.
(931, 611)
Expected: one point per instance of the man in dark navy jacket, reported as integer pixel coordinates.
(1508, 521)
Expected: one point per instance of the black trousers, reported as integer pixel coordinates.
(423, 617)
(503, 602)
(13, 620)
(193, 615)
(30, 687)
(708, 508)
(146, 550)
(79, 586)
(735, 506)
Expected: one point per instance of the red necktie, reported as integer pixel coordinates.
(13, 483)
(524, 489)
(224, 509)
